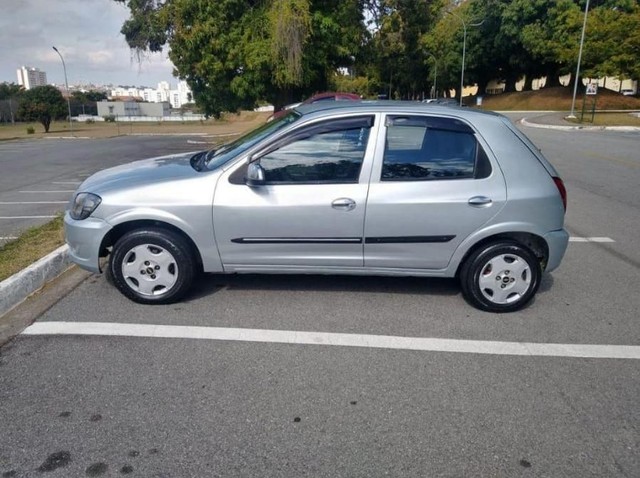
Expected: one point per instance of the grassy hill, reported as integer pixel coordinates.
(558, 99)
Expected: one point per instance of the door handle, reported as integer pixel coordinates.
(343, 204)
(479, 201)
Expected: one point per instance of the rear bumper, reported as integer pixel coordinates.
(557, 242)
(84, 239)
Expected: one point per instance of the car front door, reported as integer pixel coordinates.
(309, 210)
(432, 185)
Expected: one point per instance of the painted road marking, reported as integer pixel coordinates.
(66, 182)
(8, 238)
(424, 344)
(27, 217)
(591, 239)
(34, 202)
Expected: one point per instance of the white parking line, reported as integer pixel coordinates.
(27, 217)
(591, 239)
(424, 344)
(7, 203)
(8, 238)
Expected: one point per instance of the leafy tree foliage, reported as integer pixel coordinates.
(85, 102)
(233, 53)
(10, 90)
(535, 38)
(9, 94)
(236, 53)
(42, 104)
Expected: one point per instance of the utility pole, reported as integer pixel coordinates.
(464, 46)
(575, 85)
(66, 83)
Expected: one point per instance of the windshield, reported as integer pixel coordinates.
(217, 157)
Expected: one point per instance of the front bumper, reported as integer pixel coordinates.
(84, 239)
(557, 242)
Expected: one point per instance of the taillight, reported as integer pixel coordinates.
(562, 190)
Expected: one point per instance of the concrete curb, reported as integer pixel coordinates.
(19, 286)
(627, 129)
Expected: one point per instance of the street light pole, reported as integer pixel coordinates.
(66, 83)
(575, 86)
(464, 46)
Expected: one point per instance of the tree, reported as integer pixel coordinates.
(85, 101)
(42, 104)
(613, 43)
(9, 93)
(401, 63)
(233, 53)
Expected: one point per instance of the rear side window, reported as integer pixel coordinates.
(419, 148)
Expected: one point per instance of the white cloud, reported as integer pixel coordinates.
(86, 32)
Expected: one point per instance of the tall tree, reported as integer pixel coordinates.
(9, 96)
(42, 104)
(399, 25)
(612, 47)
(233, 53)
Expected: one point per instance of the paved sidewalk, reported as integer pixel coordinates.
(555, 120)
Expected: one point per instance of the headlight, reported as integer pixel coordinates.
(83, 205)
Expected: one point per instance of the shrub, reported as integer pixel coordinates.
(110, 118)
(31, 130)
(89, 121)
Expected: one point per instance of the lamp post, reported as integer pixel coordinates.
(575, 86)
(464, 46)
(66, 83)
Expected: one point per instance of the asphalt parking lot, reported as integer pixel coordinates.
(350, 376)
(38, 177)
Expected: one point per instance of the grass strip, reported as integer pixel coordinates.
(608, 119)
(34, 243)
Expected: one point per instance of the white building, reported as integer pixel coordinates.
(28, 77)
(177, 97)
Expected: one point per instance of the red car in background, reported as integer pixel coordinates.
(328, 96)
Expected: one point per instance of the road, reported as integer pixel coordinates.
(38, 177)
(176, 406)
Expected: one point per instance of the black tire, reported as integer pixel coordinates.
(489, 283)
(152, 266)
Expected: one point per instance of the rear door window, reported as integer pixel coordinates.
(421, 148)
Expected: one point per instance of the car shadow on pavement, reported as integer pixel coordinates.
(209, 284)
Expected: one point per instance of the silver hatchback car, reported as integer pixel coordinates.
(370, 188)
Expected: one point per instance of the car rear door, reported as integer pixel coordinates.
(432, 185)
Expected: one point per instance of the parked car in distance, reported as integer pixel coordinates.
(443, 101)
(317, 98)
(627, 92)
(362, 188)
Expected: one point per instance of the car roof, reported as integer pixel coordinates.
(381, 106)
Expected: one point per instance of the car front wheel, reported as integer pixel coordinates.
(500, 277)
(152, 266)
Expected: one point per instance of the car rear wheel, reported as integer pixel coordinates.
(500, 277)
(152, 266)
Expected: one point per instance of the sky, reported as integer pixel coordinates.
(87, 34)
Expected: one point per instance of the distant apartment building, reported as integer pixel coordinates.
(29, 77)
(163, 93)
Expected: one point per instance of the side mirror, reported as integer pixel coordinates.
(255, 175)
